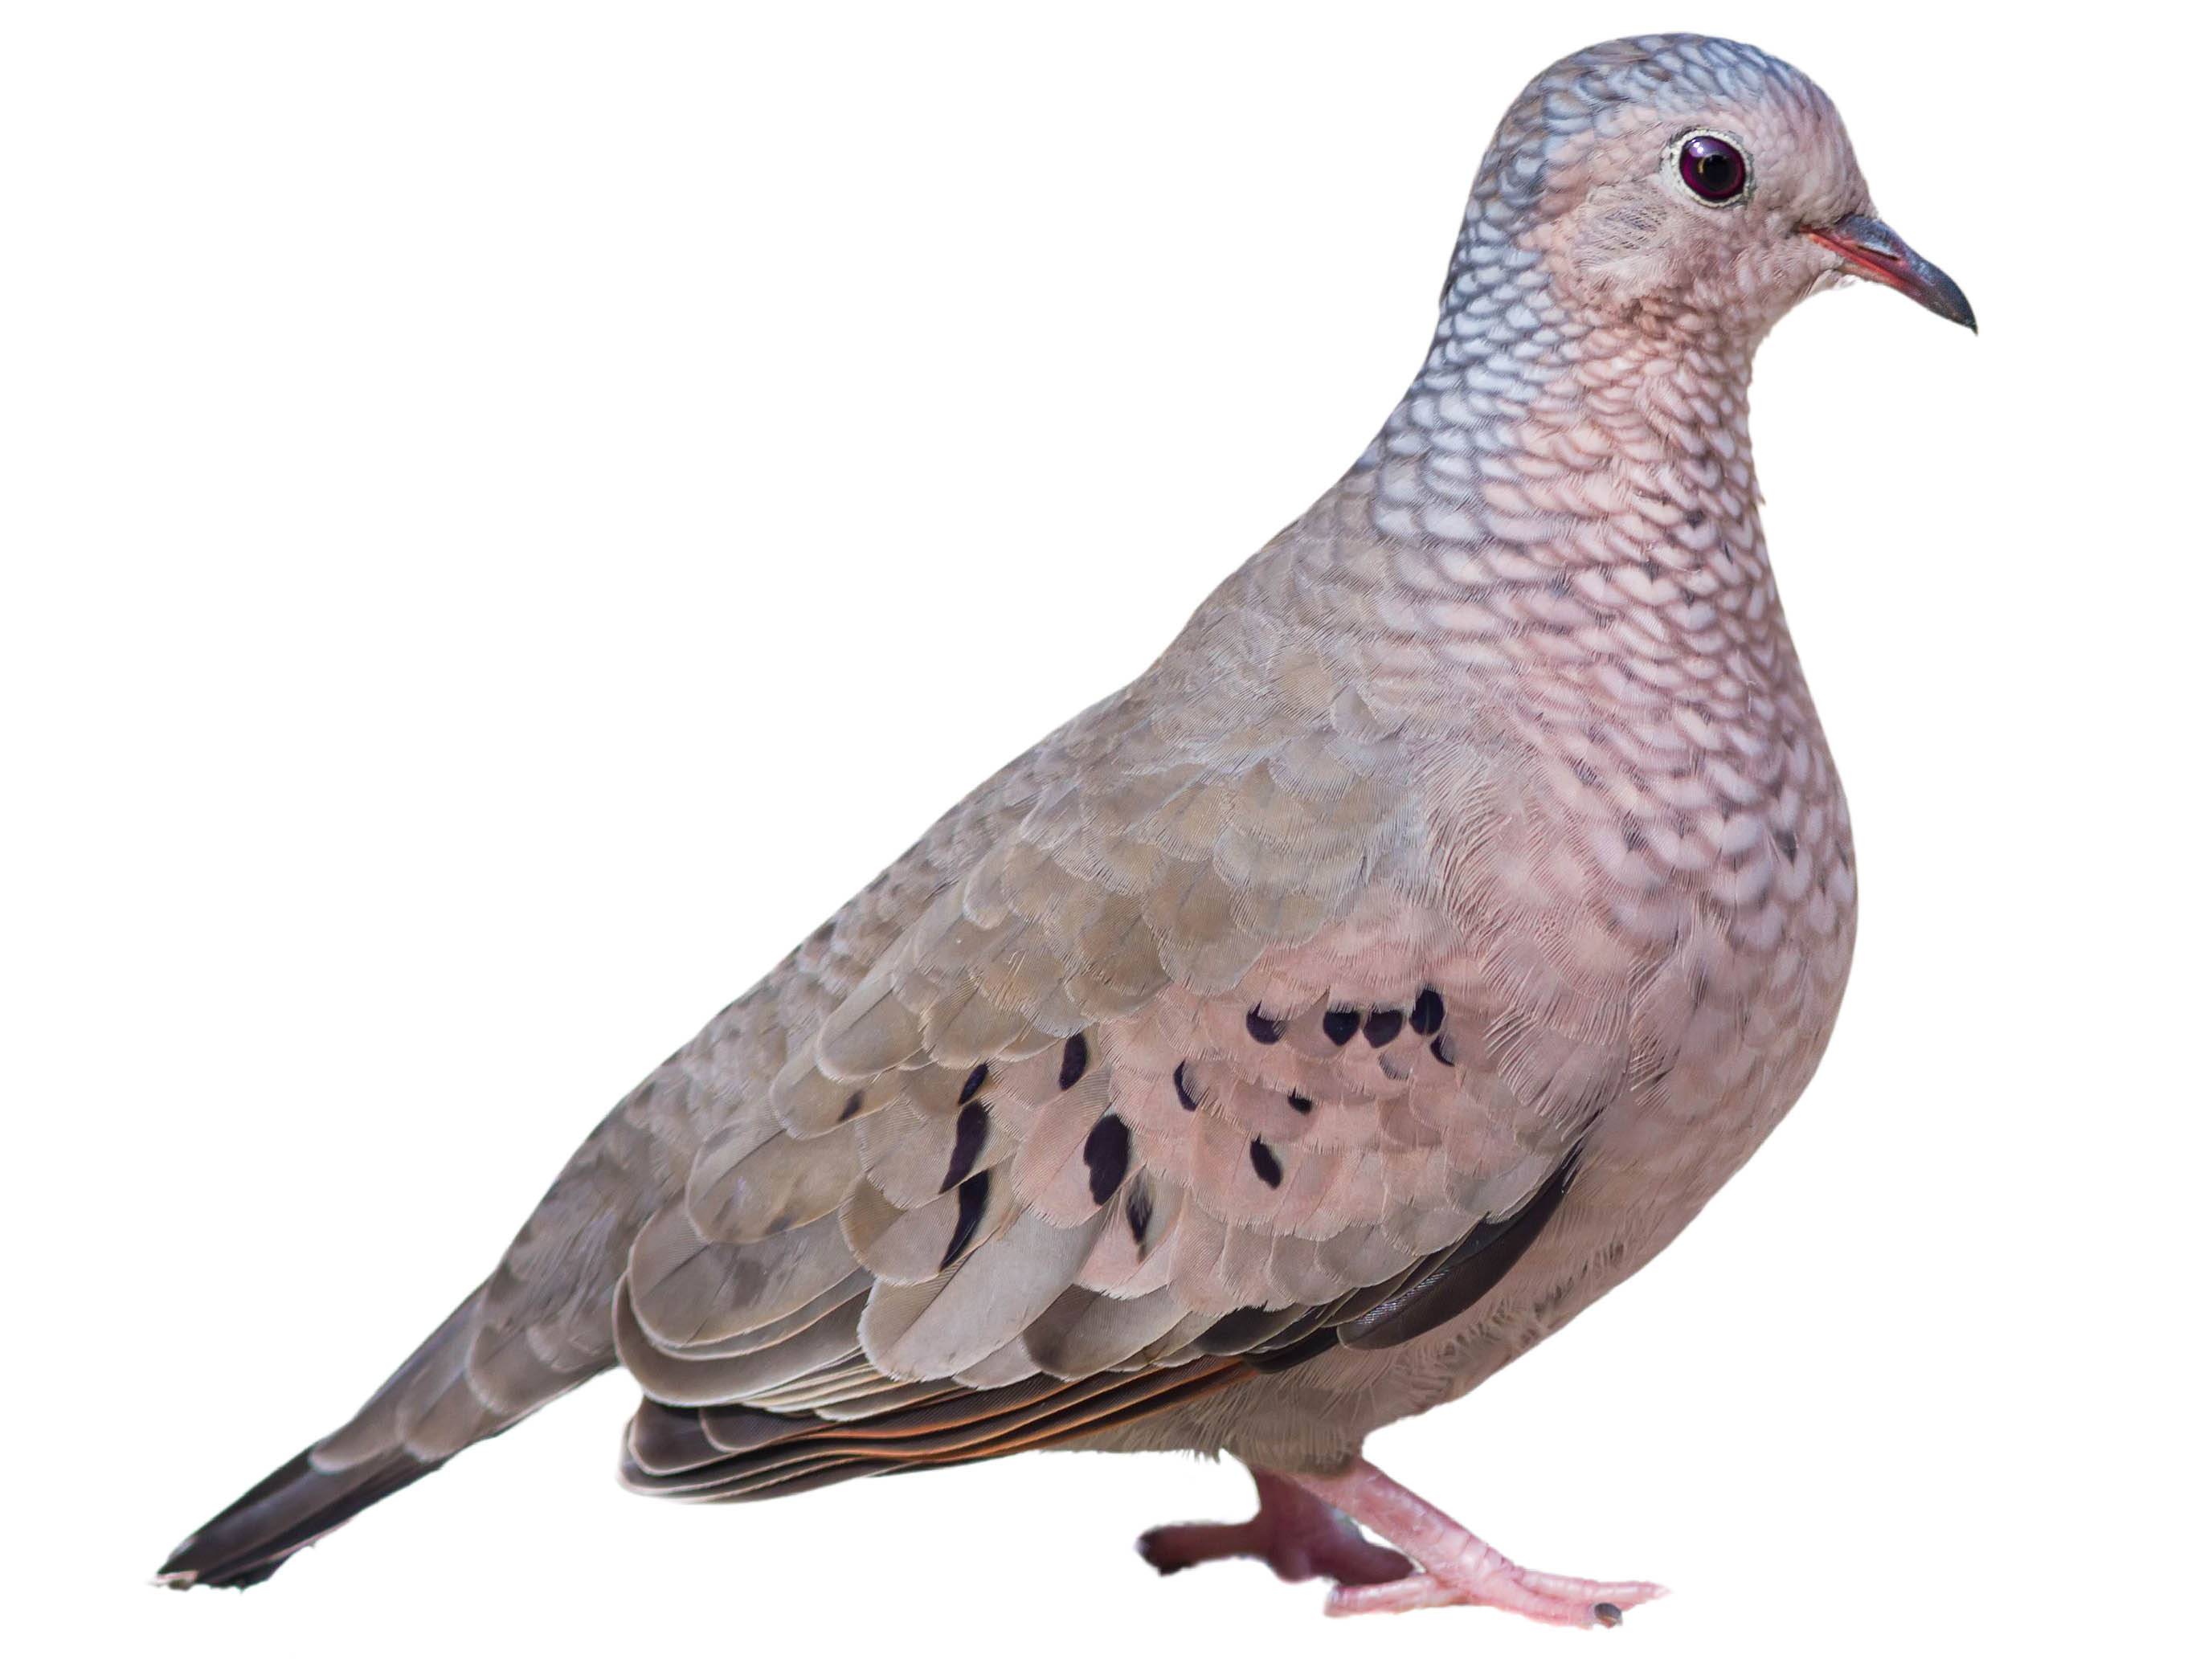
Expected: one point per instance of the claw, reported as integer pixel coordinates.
(1608, 1614)
(1157, 1559)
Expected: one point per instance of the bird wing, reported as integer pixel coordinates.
(1181, 1075)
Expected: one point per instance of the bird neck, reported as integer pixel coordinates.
(1574, 502)
(1577, 441)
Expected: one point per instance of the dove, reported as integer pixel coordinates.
(1309, 1029)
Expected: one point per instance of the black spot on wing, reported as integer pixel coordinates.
(1182, 1088)
(1383, 1026)
(1339, 1024)
(1265, 1163)
(1301, 1104)
(975, 1192)
(1106, 1155)
(1428, 1016)
(1074, 1059)
(974, 1085)
(852, 1106)
(1139, 1208)
(969, 1132)
(1262, 1029)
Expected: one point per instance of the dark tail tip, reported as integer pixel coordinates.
(285, 1514)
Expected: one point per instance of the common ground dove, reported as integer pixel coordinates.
(1299, 1034)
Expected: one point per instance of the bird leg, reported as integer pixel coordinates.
(1297, 1534)
(1457, 1568)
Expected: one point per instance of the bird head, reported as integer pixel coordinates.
(1683, 181)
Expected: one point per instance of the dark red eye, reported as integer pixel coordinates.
(1713, 168)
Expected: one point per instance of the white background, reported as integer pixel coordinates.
(511, 513)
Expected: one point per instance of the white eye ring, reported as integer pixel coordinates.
(1671, 165)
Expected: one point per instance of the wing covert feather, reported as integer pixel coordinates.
(1148, 1058)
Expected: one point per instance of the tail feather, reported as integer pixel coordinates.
(430, 1409)
(540, 1325)
(285, 1514)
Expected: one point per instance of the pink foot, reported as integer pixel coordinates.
(1299, 1536)
(1459, 1570)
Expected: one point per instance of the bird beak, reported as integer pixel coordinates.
(1871, 248)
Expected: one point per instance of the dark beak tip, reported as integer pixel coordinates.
(1950, 303)
(1960, 312)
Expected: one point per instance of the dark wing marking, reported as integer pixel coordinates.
(728, 1453)
(1469, 1271)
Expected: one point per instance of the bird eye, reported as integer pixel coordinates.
(1713, 168)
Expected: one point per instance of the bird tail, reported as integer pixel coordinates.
(540, 1325)
(457, 1388)
(291, 1509)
